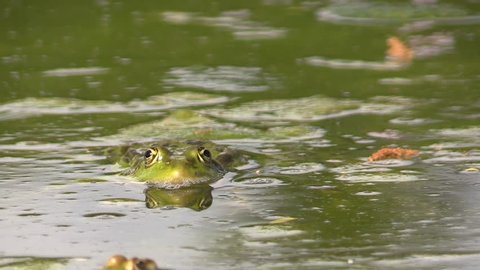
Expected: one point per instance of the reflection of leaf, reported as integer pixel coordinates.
(282, 220)
(393, 153)
(398, 51)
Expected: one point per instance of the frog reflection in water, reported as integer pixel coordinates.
(164, 165)
(197, 197)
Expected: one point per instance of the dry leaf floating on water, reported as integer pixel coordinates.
(393, 153)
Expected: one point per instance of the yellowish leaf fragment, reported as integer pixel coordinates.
(282, 220)
(398, 51)
(472, 170)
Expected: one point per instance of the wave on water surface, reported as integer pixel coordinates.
(30, 107)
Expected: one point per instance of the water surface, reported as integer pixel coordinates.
(308, 97)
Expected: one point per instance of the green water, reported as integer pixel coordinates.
(78, 75)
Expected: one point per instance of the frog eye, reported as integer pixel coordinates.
(204, 152)
(151, 156)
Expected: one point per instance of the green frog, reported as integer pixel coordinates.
(176, 164)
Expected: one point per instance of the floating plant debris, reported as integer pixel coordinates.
(471, 170)
(33, 106)
(221, 78)
(236, 21)
(393, 153)
(104, 215)
(398, 51)
(84, 71)
(282, 220)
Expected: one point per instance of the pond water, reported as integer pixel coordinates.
(304, 88)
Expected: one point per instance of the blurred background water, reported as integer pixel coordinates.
(309, 88)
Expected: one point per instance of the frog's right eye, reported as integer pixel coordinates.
(151, 156)
(204, 152)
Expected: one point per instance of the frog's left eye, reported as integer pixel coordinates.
(151, 156)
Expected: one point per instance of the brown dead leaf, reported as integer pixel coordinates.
(393, 153)
(398, 51)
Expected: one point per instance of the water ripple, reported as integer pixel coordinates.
(30, 107)
(236, 21)
(222, 78)
(259, 182)
(312, 108)
(65, 72)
